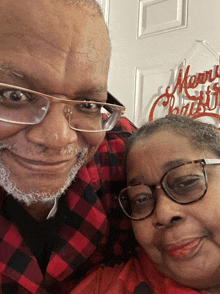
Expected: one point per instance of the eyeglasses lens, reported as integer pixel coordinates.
(25, 107)
(21, 107)
(184, 184)
(93, 117)
(137, 201)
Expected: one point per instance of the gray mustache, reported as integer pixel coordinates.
(68, 150)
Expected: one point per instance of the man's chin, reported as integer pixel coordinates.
(36, 197)
(31, 194)
(38, 194)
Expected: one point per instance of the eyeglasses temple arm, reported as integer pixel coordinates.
(112, 100)
(212, 161)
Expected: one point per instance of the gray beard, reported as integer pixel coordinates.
(43, 197)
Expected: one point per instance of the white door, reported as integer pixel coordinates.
(151, 40)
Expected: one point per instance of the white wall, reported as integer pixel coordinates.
(141, 66)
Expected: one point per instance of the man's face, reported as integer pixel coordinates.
(61, 50)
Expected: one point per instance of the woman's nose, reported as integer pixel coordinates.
(53, 131)
(167, 212)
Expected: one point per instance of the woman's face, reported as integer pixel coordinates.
(182, 240)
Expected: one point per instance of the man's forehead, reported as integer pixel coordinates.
(49, 42)
(49, 19)
(12, 76)
(9, 70)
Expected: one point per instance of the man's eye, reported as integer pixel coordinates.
(89, 107)
(16, 95)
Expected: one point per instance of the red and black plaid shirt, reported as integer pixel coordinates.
(94, 230)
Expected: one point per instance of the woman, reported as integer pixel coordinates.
(173, 201)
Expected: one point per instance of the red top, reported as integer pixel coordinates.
(137, 276)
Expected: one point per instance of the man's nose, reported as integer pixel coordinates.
(53, 131)
(167, 212)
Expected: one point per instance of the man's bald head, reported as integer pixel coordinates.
(91, 3)
(53, 23)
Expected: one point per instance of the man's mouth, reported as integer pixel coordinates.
(47, 165)
(187, 249)
(38, 162)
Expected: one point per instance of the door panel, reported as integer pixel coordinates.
(151, 41)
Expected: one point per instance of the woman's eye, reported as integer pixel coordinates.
(185, 184)
(142, 203)
(141, 199)
(16, 95)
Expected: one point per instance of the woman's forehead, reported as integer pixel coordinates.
(161, 140)
(163, 150)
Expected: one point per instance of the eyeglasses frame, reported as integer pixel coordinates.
(111, 102)
(203, 162)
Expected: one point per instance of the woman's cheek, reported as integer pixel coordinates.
(144, 233)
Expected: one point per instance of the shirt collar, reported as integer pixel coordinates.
(53, 209)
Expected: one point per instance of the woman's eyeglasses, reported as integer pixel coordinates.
(184, 184)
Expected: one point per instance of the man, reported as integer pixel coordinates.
(54, 225)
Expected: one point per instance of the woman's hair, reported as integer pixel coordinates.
(202, 136)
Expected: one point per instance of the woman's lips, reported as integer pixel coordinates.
(187, 249)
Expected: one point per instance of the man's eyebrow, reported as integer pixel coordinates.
(10, 70)
(90, 93)
(93, 90)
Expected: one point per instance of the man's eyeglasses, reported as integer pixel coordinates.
(23, 106)
(184, 184)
